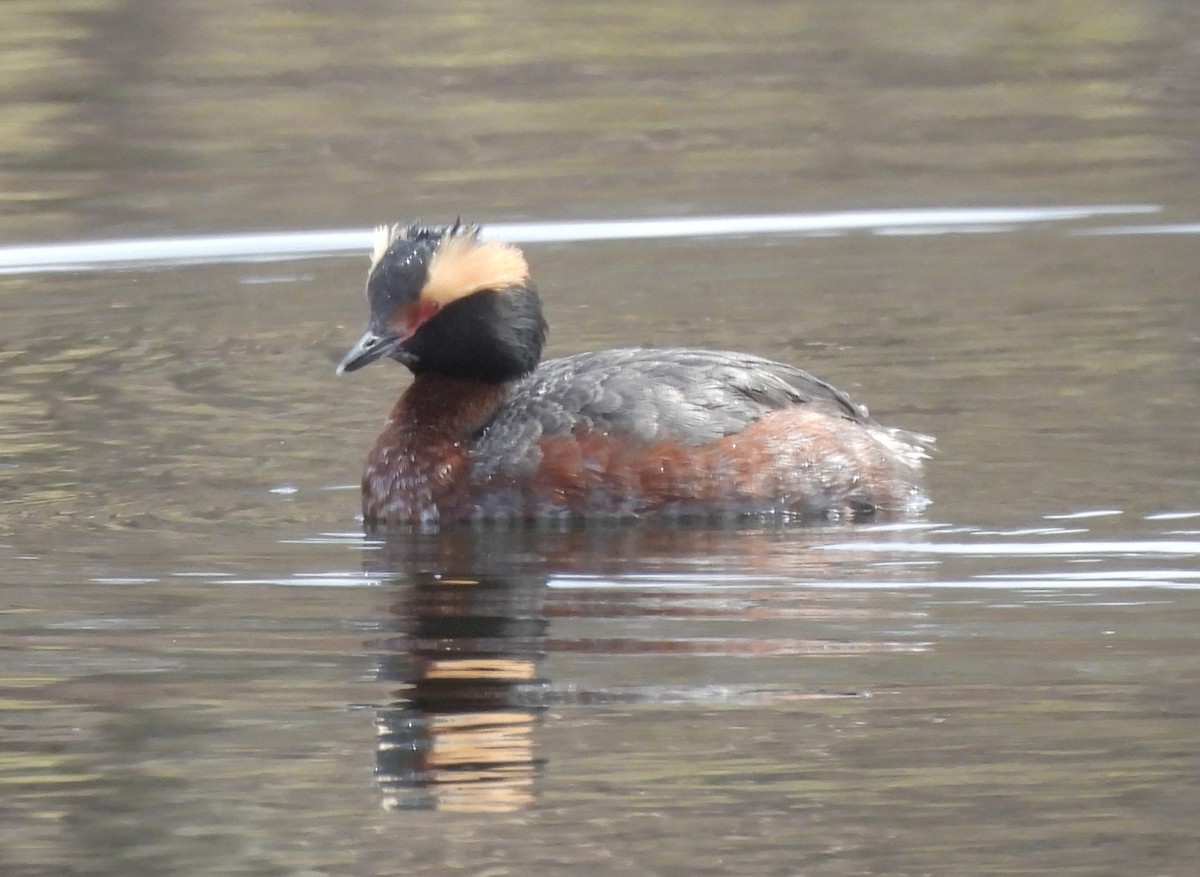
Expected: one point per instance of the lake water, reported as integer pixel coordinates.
(980, 220)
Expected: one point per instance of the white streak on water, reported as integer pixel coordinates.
(281, 246)
(1094, 513)
(1173, 228)
(1028, 549)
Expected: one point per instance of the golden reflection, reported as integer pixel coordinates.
(479, 669)
(468, 625)
(464, 644)
(476, 762)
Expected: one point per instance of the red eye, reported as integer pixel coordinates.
(427, 309)
(418, 316)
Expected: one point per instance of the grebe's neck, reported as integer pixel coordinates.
(451, 407)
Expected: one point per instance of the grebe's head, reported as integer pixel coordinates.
(444, 300)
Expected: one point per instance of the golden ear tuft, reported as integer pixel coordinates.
(385, 236)
(462, 264)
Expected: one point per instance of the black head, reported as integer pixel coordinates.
(443, 300)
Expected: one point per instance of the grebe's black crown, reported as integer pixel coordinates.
(400, 261)
(396, 243)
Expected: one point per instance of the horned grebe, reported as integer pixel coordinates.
(487, 430)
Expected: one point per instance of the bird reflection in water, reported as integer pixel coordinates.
(465, 648)
(469, 620)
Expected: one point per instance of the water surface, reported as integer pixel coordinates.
(210, 669)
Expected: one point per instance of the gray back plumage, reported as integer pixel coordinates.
(650, 394)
